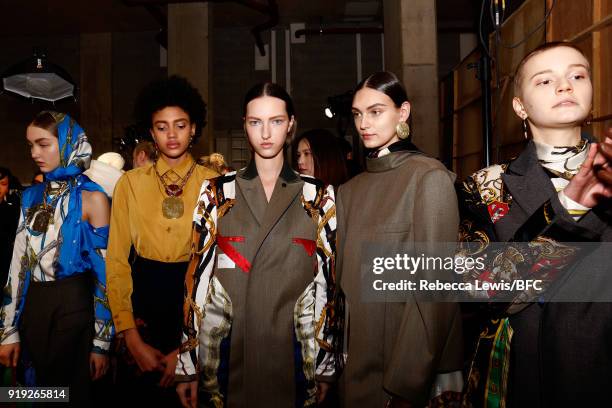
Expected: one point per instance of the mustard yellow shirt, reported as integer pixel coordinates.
(137, 219)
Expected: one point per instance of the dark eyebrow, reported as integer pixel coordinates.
(376, 105)
(176, 120)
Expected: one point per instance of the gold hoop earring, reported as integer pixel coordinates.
(525, 131)
(403, 130)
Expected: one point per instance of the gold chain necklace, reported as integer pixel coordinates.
(172, 206)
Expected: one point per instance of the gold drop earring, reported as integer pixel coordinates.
(403, 130)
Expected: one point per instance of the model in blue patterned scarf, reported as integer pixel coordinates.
(55, 240)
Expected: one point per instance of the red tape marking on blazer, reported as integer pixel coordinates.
(309, 245)
(232, 253)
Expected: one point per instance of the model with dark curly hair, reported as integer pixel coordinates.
(173, 91)
(150, 242)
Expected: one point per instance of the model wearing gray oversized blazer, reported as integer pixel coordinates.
(256, 299)
(396, 348)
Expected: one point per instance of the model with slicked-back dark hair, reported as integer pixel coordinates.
(389, 84)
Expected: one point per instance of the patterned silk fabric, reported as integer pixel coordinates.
(485, 193)
(208, 307)
(561, 164)
(69, 245)
(486, 201)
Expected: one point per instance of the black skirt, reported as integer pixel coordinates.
(157, 301)
(157, 305)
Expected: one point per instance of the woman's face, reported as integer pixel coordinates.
(555, 89)
(267, 124)
(44, 148)
(305, 160)
(4, 187)
(172, 131)
(376, 118)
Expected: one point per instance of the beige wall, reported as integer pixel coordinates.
(411, 53)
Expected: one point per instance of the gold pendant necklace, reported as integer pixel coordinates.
(41, 215)
(172, 206)
(41, 220)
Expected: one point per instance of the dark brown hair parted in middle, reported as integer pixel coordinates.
(275, 91)
(329, 162)
(389, 84)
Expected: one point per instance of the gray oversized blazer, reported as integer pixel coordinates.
(396, 349)
(256, 292)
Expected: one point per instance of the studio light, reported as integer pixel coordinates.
(37, 78)
(339, 108)
(339, 105)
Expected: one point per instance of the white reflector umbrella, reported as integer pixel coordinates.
(37, 78)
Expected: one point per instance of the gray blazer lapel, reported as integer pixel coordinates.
(287, 187)
(530, 188)
(284, 194)
(254, 195)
